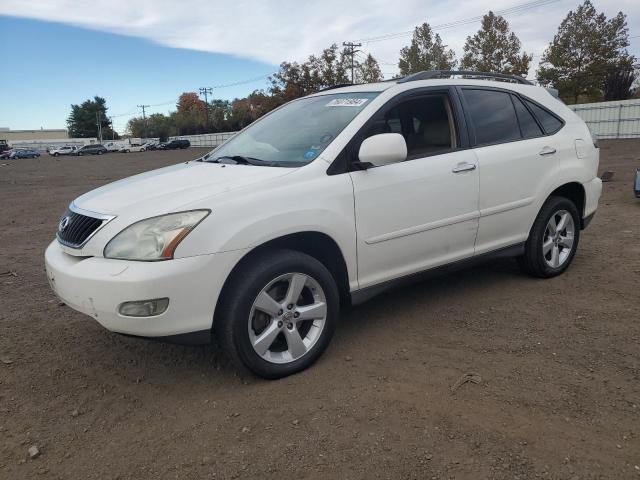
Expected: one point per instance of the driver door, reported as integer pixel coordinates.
(422, 212)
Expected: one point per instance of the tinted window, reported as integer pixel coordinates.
(549, 121)
(528, 124)
(493, 115)
(425, 123)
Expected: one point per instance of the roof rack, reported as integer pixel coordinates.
(337, 85)
(429, 74)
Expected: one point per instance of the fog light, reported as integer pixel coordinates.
(144, 308)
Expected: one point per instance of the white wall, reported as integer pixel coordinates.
(619, 119)
(206, 139)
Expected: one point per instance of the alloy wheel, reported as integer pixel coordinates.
(559, 235)
(287, 318)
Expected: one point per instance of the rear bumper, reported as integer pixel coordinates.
(592, 190)
(98, 286)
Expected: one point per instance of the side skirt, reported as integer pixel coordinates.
(364, 294)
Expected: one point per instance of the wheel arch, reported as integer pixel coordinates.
(313, 243)
(575, 192)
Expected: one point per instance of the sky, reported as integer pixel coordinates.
(133, 52)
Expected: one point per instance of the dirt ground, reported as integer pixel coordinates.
(559, 362)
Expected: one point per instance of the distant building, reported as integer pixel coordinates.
(42, 134)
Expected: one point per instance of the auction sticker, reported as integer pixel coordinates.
(347, 102)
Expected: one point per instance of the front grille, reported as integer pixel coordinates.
(75, 229)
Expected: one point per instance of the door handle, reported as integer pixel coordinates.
(463, 167)
(547, 151)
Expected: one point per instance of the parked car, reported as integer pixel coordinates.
(94, 149)
(174, 144)
(330, 199)
(66, 150)
(134, 148)
(6, 154)
(25, 153)
(636, 184)
(152, 146)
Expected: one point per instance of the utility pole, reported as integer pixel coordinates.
(352, 52)
(144, 120)
(206, 91)
(99, 123)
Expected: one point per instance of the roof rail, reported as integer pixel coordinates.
(429, 74)
(337, 85)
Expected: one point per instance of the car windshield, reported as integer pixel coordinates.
(295, 134)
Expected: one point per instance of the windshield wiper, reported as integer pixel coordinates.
(240, 159)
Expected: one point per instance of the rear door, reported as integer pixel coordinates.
(516, 156)
(423, 212)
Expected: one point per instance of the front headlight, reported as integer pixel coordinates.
(154, 238)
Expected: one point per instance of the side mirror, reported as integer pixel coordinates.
(383, 149)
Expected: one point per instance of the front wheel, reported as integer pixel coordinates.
(278, 313)
(553, 239)
(99, 152)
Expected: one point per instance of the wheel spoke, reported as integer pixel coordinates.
(311, 312)
(566, 241)
(546, 246)
(296, 284)
(562, 223)
(552, 225)
(266, 338)
(267, 304)
(297, 348)
(555, 257)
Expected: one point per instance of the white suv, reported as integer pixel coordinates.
(327, 200)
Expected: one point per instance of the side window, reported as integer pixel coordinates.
(548, 120)
(493, 116)
(528, 124)
(426, 123)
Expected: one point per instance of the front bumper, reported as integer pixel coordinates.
(97, 286)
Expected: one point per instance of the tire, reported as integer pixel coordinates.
(127, 151)
(56, 154)
(548, 254)
(80, 154)
(292, 343)
(99, 152)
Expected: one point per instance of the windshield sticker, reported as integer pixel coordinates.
(347, 102)
(309, 155)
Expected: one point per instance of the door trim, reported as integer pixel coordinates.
(465, 217)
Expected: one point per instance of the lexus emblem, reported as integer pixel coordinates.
(64, 223)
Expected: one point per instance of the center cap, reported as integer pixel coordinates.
(287, 316)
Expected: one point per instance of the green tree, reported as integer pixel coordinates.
(157, 125)
(369, 71)
(295, 80)
(585, 50)
(83, 119)
(426, 52)
(495, 49)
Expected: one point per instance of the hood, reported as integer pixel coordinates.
(168, 189)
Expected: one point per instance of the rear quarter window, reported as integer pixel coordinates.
(548, 120)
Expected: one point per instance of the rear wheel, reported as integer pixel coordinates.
(279, 313)
(553, 239)
(99, 152)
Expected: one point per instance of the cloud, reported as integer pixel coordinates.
(280, 30)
